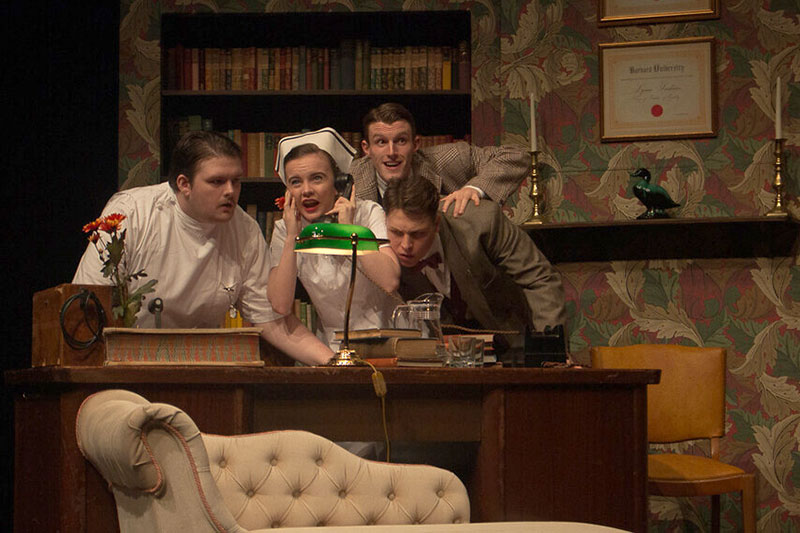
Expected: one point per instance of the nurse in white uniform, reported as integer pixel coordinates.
(307, 164)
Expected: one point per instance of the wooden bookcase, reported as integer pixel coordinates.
(445, 111)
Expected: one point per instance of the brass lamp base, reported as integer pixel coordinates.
(345, 357)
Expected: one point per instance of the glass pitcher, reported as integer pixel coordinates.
(422, 313)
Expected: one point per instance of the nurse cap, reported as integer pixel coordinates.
(327, 139)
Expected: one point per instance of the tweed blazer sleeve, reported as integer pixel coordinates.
(365, 181)
(496, 170)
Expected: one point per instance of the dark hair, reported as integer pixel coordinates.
(388, 113)
(195, 147)
(415, 196)
(306, 149)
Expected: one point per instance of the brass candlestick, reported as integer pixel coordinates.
(779, 209)
(537, 195)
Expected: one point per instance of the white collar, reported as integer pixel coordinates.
(381, 183)
(192, 224)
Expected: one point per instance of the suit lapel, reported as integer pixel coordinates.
(458, 262)
(364, 179)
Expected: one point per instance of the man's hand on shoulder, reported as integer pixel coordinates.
(461, 197)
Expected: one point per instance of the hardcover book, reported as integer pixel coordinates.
(430, 363)
(214, 346)
(249, 69)
(347, 63)
(365, 67)
(237, 65)
(378, 333)
(400, 347)
(398, 362)
(262, 69)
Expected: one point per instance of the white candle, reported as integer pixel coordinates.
(778, 128)
(534, 144)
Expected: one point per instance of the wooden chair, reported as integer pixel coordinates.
(687, 404)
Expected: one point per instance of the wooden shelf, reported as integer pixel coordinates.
(445, 112)
(267, 180)
(328, 92)
(681, 238)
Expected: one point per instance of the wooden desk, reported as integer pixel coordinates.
(554, 444)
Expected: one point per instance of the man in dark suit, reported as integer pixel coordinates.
(462, 172)
(492, 274)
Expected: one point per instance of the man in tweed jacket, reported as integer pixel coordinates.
(491, 273)
(458, 170)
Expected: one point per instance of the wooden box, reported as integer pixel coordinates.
(49, 346)
(217, 346)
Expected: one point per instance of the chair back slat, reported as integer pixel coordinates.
(689, 401)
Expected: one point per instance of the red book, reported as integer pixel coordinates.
(382, 361)
(315, 69)
(295, 73)
(326, 69)
(249, 69)
(187, 70)
(201, 69)
(283, 74)
(308, 66)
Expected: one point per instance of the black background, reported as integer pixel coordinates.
(60, 99)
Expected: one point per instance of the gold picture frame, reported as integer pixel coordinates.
(620, 12)
(658, 89)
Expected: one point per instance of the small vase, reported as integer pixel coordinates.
(125, 310)
(129, 317)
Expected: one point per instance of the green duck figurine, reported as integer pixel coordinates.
(654, 197)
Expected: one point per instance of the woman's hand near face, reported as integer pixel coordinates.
(291, 217)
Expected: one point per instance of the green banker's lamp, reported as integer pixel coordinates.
(340, 239)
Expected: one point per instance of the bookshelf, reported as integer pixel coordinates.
(250, 107)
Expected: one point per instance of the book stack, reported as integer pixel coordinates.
(353, 65)
(394, 347)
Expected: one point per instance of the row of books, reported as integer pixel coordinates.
(306, 313)
(354, 65)
(259, 148)
(266, 219)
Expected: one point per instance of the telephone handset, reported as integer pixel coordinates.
(344, 185)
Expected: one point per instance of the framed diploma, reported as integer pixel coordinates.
(618, 12)
(657, 89)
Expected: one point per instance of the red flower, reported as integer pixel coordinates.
(280, 201)
(115, 218)
(114, 267)
(108, 223)
(92, 226)
(112, 222)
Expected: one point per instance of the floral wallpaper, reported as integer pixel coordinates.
(750, 306)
